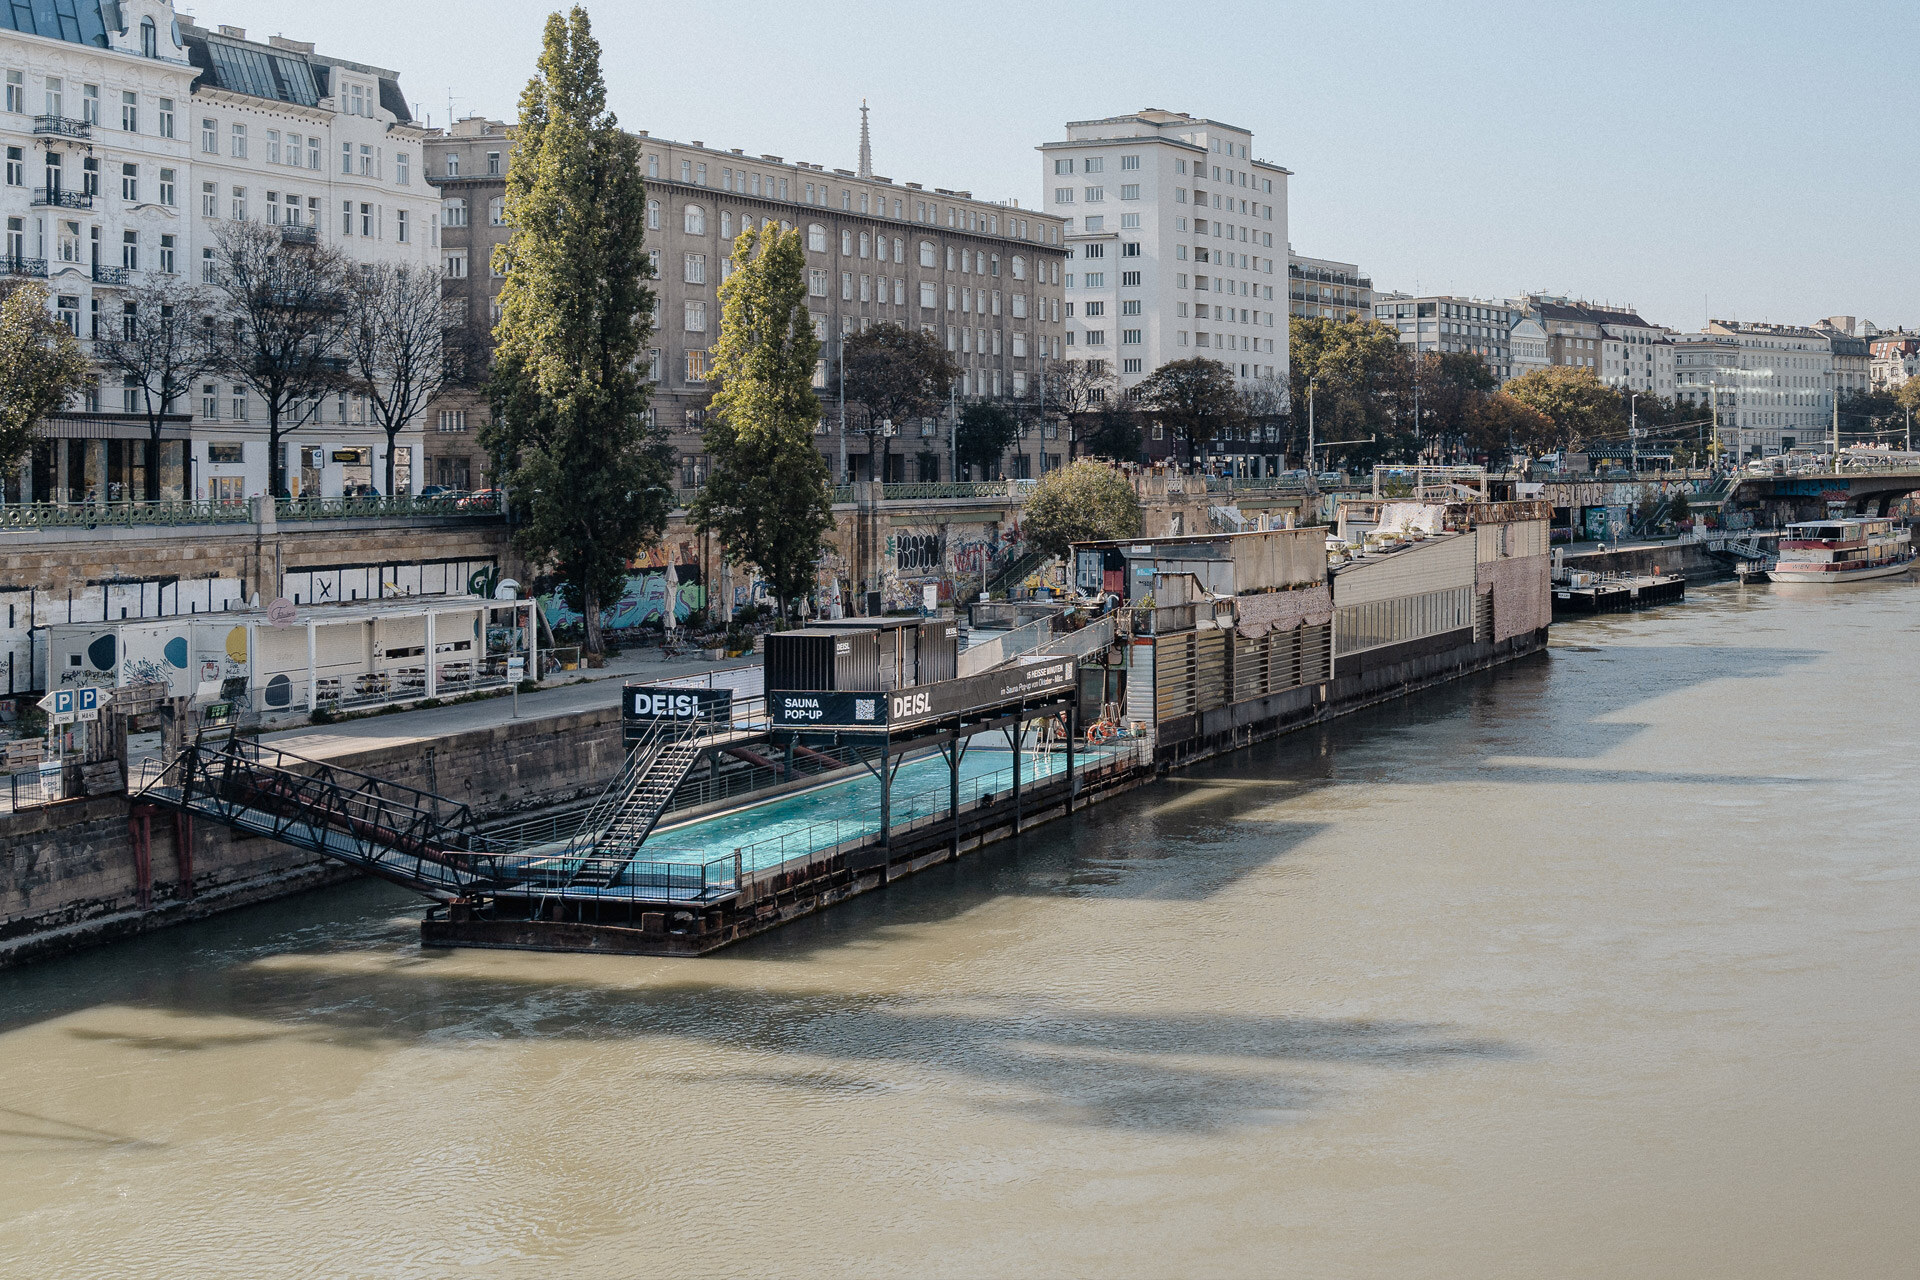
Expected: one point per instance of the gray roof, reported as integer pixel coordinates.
(74, 21)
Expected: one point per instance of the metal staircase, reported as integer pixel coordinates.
(633, 805)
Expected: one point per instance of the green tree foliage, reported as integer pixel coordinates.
(1498, 424)
(586, 477)
(1578, 404)
(41, 367)
(1194, 399)
(1115, 435)
(1361, 381)
(894, 376)
(1453, 386)
(1878, 415)
(985, 432)
(1678, 508)
(1082, 502)
(767, 496)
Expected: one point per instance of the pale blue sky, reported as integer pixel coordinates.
(1755, 154)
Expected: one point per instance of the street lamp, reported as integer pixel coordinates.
(1633, 431)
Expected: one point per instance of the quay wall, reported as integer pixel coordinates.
(1690, 559)
(72, 874)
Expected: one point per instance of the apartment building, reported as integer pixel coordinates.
(1174, 229)
(1614, 344)
(1773, 383)
(131, 138)
(1443, 323)
(985, 277)
(1329, 290)
(1893, 357)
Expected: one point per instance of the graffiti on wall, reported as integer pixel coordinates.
(953, 559)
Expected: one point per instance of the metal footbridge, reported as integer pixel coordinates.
(434, 846)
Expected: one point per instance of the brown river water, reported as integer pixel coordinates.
(1600, 965)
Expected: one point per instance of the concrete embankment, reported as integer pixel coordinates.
(1690, 559)
(75, 873)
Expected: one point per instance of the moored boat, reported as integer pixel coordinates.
(1842, 550)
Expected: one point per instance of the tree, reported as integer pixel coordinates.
(1076, 390)
(1499, 424)
(1194, 399)
(395, 346)
(1452, 386)
(1678, 508)
(767, 494)
(1116, 435)
(162, 344)
(41, 368)
(1082, 502)
(985, 431)
(587, 477)
(894, 375)
(1578, 404)
(1264, 402)
(1360, 379)
(282, 307)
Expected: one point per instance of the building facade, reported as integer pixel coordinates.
(986, 278)
(132, 138)
(1443, 324)
(1175, 232)
(1616, 345)
(1327, 289)
(1773, 383)
(1892, 359)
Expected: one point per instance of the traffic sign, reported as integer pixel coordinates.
(64, 706)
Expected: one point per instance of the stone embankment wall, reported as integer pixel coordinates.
(70, 875)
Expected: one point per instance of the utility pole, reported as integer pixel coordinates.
(841, 361)
(1836, 430)
(953, 431)
(1633, 430)
(1310, 472)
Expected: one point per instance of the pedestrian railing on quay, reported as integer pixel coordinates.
(35, 788)
(88, 515)
(473, 505)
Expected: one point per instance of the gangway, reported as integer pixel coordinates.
(633, 805)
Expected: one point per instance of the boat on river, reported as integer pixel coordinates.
(1842, 550)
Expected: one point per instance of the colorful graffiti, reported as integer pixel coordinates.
(643, 600)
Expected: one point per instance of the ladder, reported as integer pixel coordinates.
(646, 787)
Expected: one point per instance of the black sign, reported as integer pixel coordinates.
(643, 704)
(911, 706)
(827, 710)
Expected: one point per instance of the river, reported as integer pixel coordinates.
(1600, 965)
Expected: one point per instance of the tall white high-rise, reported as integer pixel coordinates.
(1178, 244)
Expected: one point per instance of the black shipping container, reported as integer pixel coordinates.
(814, 658)
(939, 651)
(912, 650)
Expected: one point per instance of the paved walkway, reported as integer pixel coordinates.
(598, 689)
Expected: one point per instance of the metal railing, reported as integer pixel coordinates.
(1006, 647)
(297, 233)
(63, 126)
(109, 275)
(35, 788)
(944, 489)
(61, 198)
(472, 505)
(16, 266)
(88, 515)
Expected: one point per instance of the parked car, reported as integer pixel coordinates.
(435, 491)
(480, 500)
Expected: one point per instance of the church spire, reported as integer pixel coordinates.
(866, 143)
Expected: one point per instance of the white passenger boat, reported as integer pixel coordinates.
(1845, 550)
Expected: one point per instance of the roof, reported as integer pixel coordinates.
(74, 21)
(285, 71)
(1584, 313)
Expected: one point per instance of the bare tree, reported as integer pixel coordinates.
(894, 375)
(283, 308)
(1265, 403)
(395, 346)
(1077, 390)
(161, 344)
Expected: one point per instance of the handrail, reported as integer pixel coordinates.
(1004, 647)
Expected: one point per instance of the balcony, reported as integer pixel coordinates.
(11, 266)
(60, 198)
(294, 233)
(109, 275)
(62, 127)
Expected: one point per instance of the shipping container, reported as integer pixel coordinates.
(821, 659)
(911, 651)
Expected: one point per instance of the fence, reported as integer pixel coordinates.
(34, 788)
(90, 515)
(1003, 648)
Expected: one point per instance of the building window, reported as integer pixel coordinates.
(696, 268)
(402, 229)
(696, 366)
(1096, 195)
(1128, 337)
(493, 162)
(453, 419)
(456, 260)
(166, 254)
(366, 220)
(17, 92)
(695, 220)
(130, 250)
(817, 283)
(403, 169)
(695, 317)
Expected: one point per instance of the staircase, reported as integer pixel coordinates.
(654, 772)
(1015, 572)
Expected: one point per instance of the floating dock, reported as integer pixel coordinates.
(1587, 592)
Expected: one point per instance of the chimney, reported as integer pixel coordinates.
(233, 33)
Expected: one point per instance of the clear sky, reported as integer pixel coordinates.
(1754, 159)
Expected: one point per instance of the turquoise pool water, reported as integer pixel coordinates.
(768, 834)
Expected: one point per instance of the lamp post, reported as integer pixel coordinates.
(1633, 431)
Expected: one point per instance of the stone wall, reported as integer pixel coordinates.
(69, 876)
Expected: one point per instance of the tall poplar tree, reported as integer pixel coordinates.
(586, 477)
(766, 496)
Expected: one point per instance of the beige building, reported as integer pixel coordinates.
(1327, 289)
(984, 277)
